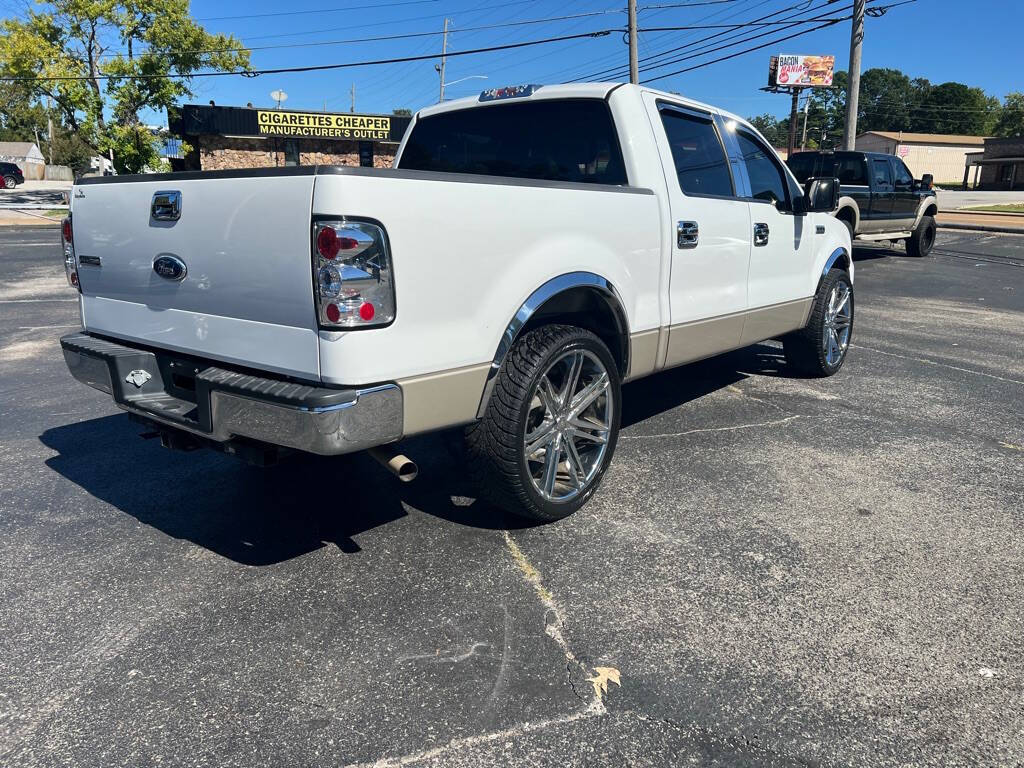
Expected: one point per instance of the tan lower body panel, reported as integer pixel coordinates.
(643, 353)
(443, 399)
(703, 338)
(768, 322)
(699, 339)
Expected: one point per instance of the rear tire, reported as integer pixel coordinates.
(10, 182)
(550, 427)
(920, 243)
(819, 348)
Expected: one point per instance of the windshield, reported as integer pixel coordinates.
(555, 140)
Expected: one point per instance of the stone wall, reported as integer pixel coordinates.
(216, 153)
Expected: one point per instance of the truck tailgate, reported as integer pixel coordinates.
(247, 294)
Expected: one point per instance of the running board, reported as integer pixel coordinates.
(883, 236)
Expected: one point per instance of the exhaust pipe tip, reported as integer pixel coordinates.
(398, 464)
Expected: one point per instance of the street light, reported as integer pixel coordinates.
(453, 82)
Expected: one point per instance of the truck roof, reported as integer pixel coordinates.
(840, 152)
(568, 91)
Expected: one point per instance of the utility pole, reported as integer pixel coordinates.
(49, 129)
(353, 107)
(444, 57)
(853, 87)
(634, 66)
(794, 108)
(803, 138)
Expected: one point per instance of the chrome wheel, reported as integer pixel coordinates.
(568, 425)
(9, 182)
(838, 318)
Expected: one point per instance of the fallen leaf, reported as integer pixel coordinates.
(602, 678)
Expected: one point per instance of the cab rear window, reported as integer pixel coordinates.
(553, 140)
(802, 166)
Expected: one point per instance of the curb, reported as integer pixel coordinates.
(982, 228)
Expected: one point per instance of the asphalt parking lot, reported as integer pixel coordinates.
(778, 571)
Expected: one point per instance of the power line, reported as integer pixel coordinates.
(319, 67)
(379, 38)
(722, 44)
(741, 53)
(321, 10)
(616, 71)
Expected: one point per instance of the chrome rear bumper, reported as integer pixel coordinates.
(220, 405)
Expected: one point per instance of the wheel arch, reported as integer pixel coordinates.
(848, 210)
(583, 299)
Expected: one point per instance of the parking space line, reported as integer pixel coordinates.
(940, 365)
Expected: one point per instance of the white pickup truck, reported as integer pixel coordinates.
(532, 249)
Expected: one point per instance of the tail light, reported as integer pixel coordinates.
(67, 242)
(352, 275)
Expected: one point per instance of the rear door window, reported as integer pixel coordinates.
(849, 169)
(553, 140)
(697, 153)
(882, 174)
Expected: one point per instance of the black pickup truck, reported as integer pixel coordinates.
(879, 197)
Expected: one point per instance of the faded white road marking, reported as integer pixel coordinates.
(473, 741)
(774, 423)
(31, 301)
(940, 365)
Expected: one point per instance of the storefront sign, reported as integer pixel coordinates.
(801, 71)
(321, 125)
(195, 120)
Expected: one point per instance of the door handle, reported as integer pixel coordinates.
(166, 205)
(760, 234)
(687, 234)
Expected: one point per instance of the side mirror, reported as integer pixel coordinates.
(926, 181)
(821, 195)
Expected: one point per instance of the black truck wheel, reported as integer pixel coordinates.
(550, 427)
(920, 243)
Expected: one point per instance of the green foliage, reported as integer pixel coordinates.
(403, 112)
(889, 100)
(136, 44)
(20, 118)
(1011, 118)
(955, 108)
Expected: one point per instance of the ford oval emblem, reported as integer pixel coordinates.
(170, 268)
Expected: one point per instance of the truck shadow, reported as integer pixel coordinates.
(262, 516)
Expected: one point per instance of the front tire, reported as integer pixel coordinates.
(920, 243)
(550, 427)
(819, 348)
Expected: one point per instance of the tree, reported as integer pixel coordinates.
(887, 101)
(1011, 117)
(403, 112)
(956, 108)
(775, 130)
(20, 118)
(122, 57)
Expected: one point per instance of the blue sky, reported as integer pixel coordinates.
(976, 42)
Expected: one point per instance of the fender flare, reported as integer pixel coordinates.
(536, 300)
(848, 202)
(928, 202)
(839, 254)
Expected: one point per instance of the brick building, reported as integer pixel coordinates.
(1002, 164)
(248, 137)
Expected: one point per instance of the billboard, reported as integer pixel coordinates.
(801, 71)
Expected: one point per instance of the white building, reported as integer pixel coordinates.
(943, 156)
(26, 155)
